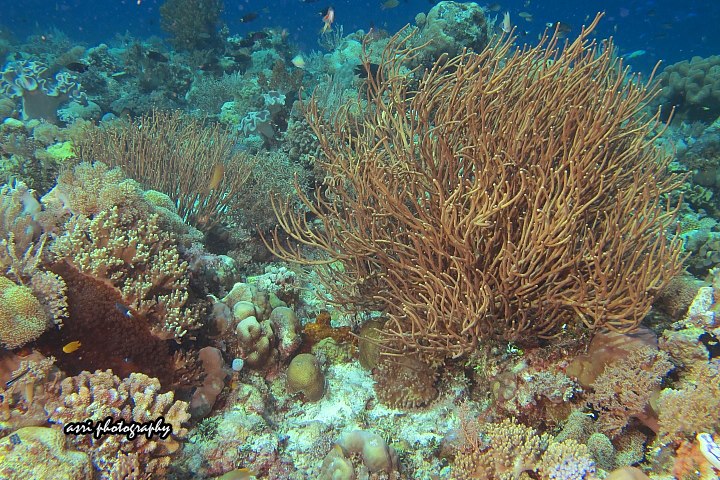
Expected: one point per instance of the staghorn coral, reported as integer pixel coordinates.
(99, 395)
(137, 258)
(500, 196)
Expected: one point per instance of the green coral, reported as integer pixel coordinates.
(61, 152)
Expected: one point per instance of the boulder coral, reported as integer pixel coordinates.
(305, 375)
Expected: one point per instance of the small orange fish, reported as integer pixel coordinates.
(72, 346)
(218, 172)
(328, 19)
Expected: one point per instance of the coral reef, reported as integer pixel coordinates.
(476, 233)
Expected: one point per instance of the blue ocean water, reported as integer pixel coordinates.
(665, 30)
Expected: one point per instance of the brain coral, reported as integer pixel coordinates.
(22, 318)
(304, 375)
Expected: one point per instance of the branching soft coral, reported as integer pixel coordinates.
(692, 409)
(138, 259)
(625, 387)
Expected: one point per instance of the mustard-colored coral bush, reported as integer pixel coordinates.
(511, 195)
(22, 318)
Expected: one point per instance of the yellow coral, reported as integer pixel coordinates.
(304, 375)
(41, 453)
(22, 318)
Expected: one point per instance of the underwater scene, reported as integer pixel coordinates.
(360, 240)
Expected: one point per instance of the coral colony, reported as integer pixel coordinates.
(455, 259)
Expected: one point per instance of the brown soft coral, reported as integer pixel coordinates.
(138, 259)
(693, 408)
(625, 387)
(90, 188)
(99, 395)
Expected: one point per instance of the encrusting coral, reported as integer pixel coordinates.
(40, 452)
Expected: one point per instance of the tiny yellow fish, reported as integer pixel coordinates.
(298, 61)
(218, 172)
(72, 346)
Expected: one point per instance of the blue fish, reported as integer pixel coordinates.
(124, 310)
